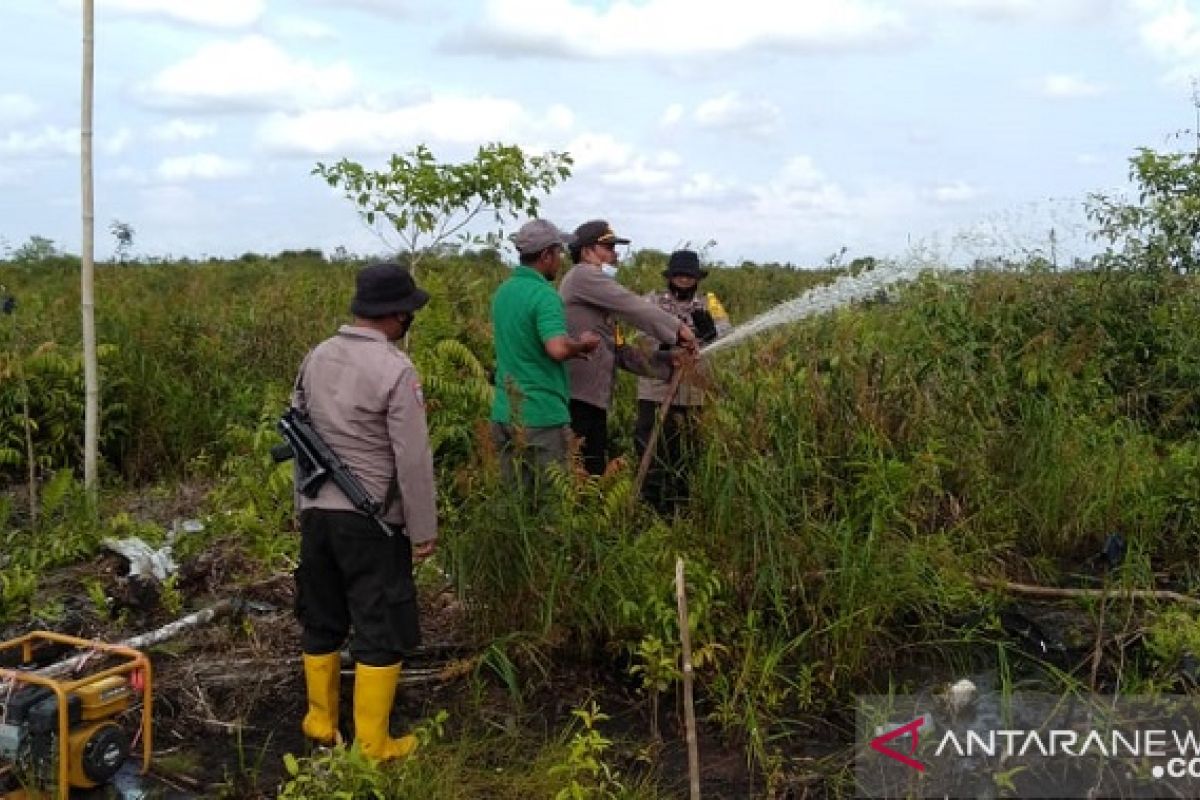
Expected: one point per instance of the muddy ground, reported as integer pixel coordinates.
(229, 695)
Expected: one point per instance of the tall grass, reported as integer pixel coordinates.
(853, 473)
(857, 471)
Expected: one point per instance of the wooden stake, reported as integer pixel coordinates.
(689, 710)
(87, 302)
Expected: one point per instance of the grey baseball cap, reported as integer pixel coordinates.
(538, 234)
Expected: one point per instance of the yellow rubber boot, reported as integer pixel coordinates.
(374, 691)
(322, 677)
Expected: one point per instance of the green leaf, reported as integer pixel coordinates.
(426, 202)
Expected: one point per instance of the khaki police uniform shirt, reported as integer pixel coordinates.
(690, 392)
(364, 398)
(594, 302)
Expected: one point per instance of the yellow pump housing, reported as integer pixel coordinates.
(69, 723)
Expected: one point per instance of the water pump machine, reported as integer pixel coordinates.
(66, 725)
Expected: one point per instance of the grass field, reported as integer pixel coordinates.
(856, 474)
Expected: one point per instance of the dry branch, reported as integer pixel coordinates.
(1061, 593)
(147, 639)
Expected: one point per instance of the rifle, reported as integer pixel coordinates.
(704, 326)
(317, 463)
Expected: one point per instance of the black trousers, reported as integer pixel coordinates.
(590, 423)
(352, 576)
(666, 484)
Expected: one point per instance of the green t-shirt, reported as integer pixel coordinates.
(526, 313)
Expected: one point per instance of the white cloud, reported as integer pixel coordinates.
(1170, 31)
(802, 188)
(1066, 87)
(252, 73)
(703, 187)
(797, 187)
(181, 130)
(798, 206)
(800, 171)
(308, 30)
(672, 115)
(599, 151)
(679, 28)
(638, 175)
(204, 13)
(603, 157)
(170, 206)
(200, 166)
(16, 108)
(560, 117)
(455, 120)
(734, 111)
(668, 159)
(116, 142)
(51, 140)
(954, 192)
(387, 8)
(1018, 10)
(125, 174)
(986, 8)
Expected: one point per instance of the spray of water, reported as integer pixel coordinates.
(841, 292)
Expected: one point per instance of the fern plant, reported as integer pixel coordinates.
(458, 392)
(254, 499)
(41, 405)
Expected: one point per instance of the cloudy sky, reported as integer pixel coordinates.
(782, 129)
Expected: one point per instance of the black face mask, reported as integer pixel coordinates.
(405, 323)
(682, 294)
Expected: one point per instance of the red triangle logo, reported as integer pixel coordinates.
(879, 743)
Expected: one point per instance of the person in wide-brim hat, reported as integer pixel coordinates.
(667, 480)
(685, 263)
(382, 290)
(362, 396)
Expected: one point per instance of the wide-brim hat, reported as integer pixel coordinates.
(685, 262)
(385, 289)
(597, 231)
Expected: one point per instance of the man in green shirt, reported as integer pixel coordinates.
(530, 420)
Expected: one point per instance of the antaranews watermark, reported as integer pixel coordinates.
(1028, 745)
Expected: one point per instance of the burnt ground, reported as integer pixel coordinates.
(229, 695)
